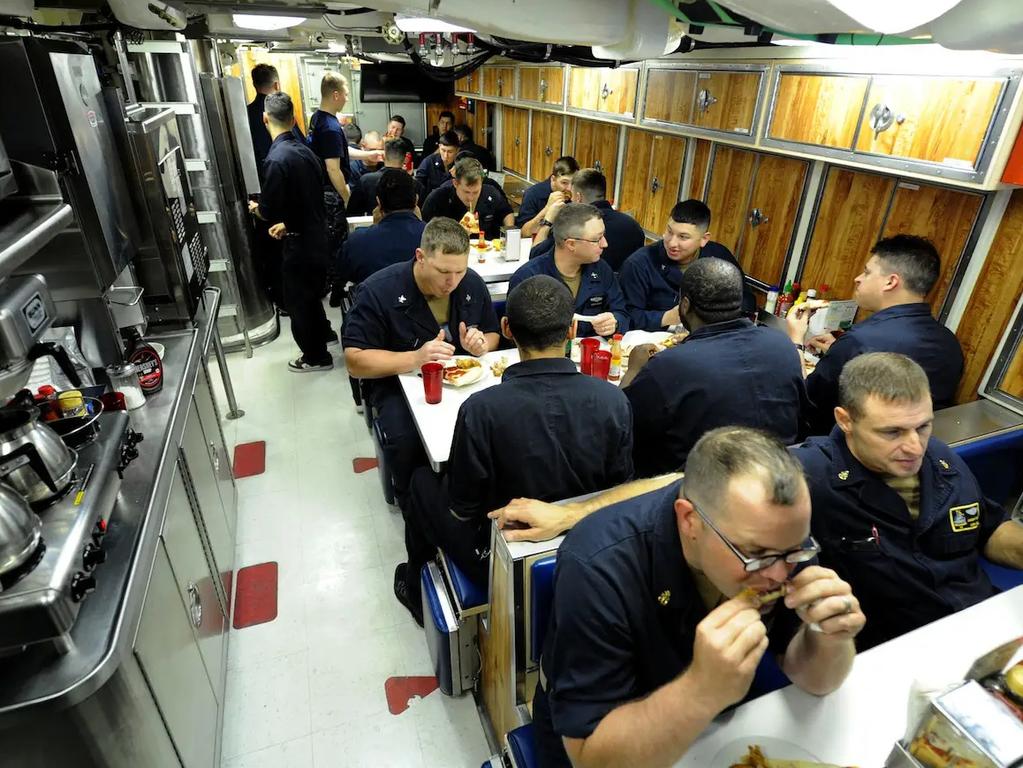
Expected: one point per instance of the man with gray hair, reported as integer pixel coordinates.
(898, 513)
(755, 379)
(575, 261)
(468, 194)
(292, 202)
(665, 604)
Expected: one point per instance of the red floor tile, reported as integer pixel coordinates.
(255, 595)
(249, 459)
(400, 689)
(363, 465)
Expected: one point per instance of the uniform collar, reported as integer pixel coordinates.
(916, 309)
(540, 367)
(602, 205)
(716, 329)
(661, 260)
(589, 274)
(398, 216)
(674, 588)
(286, 136)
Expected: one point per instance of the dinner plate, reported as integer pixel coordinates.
(773, 749)
(471, 376)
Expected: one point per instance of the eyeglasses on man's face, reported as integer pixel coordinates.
(598, 241)
(801, 554)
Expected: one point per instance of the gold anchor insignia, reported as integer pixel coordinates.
(943, 463)
(843, 475)
(664, 597)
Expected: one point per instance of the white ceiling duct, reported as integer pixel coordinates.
(892, 17)
(800, 17)
(149, 15)
(993, 25)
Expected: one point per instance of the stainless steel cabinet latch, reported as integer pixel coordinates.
(882, 118)
(654, 185)
(704, 100)
(548, 151)
(757, 217)
(194, 605)
(543, 90)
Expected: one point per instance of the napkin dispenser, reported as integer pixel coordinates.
(967, 726)
(512, 244)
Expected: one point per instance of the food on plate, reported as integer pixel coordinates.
(460, 369)
(763, 598)
(470, 223)
(674, 340)
(755, 758)
(498, 367)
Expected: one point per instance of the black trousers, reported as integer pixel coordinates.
(337, 231)
(268, 261)
(429, 526)
(302, 277)
(402, 446)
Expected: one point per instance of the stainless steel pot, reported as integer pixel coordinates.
(33, 458)
(20, 529)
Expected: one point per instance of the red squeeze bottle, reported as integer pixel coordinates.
(408, 161)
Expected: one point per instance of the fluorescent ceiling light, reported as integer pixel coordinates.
(890, 17)
(417, 24)
(775, 40)
(265, 23)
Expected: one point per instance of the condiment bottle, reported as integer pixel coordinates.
(569, 342)
(148, 366)
(772, 300)
(46, 400)
(785, 301)
(615, 372)
(801, 298)
(822, 292)
(408, 162)
(71, 403)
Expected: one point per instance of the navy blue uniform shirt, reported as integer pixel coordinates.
(369, 249)
(260, 135)
(480, 153)
(623, 620)
(546, 432)
(650, 282)
(432, 172)
(624, 236)
(391, 313)
(293, 180)
(491, 206)
(327, 140)
(533, 201)
(731, 373)
(364, 193)
(598, 290)
(905, 572)
(908, 329)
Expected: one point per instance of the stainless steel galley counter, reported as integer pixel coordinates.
(143, 683)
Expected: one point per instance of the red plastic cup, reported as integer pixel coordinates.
(586, 349)
(600, 365)
(433, 381)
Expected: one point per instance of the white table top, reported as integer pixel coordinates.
(495, 269)
(436, 423)
(860, 722)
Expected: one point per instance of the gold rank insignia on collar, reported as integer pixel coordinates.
(843, 475)
(943, 463)
(664, 597)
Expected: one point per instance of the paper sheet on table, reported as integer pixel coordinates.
(838, 315)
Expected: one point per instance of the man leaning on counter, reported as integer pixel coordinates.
(656, 626)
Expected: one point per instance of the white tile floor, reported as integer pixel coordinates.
(307, 689)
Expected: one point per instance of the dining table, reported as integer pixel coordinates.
(859, 723)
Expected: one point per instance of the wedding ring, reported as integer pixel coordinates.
(848, 605)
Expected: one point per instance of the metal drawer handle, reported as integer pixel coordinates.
(548, 151)
(517, 141)
(195, 605)
(543, 90)
(215, 456)
(882, 118)
(598, 166)
(757, 217)
(654, 185)
(605, 91)
(704, 100)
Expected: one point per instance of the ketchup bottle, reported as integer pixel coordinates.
(408, 162)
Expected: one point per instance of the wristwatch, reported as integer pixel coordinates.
(800, 347)
(546, 223)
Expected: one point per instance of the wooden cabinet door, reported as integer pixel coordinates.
(529, 83)
(934, 119)
(670, 95)
(993, 304)
(726, 101)
(515, 139)
(777, 191)
(701, 163)
(499, 82)
(849, 218)
(469, 84)
(596, 146)
(617, 91)
(583, 87)
(552, 85)
(944, 216)
(545, 143)
(818, 109)
(728, 195)
(635, 190)
(666, 158)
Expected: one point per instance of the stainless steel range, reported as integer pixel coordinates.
(40, 600)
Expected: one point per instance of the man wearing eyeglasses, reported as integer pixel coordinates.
(652, 634)
(898, 513)
(578, 242)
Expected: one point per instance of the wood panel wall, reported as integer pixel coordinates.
(728, 196)
(992, 303)
(818, 109)
(701, 161)
(287, 70)
(777, 192)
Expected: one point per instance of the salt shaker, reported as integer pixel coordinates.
(123, 379)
